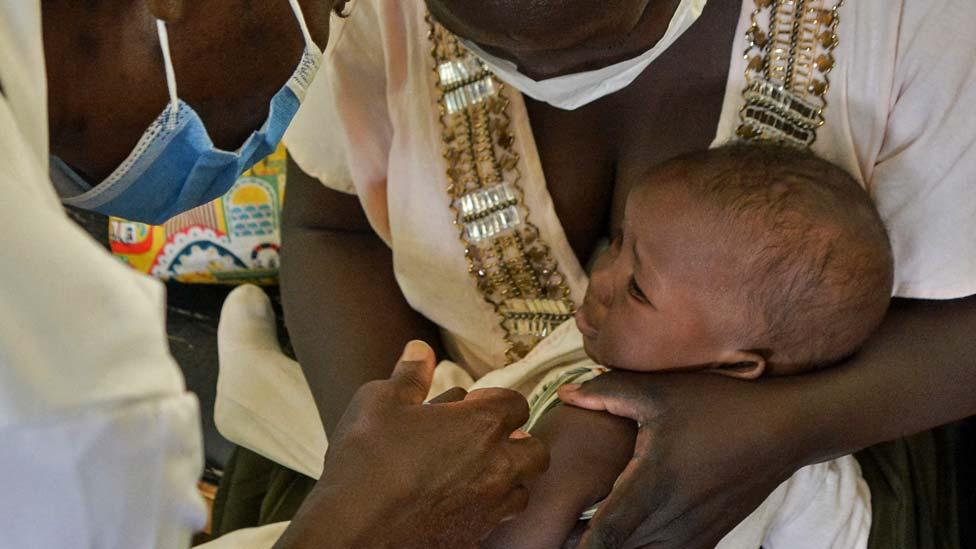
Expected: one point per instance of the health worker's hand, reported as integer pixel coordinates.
(405, 474)
(709, 450)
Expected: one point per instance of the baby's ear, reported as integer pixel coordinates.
(745, 365)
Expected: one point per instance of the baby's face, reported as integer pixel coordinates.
(660, 296)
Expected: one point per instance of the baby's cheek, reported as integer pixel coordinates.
(626, 349)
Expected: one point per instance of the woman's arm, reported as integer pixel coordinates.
(917, 372)
(346, 315)
(731, 442)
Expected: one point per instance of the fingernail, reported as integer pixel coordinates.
(519, 434)
(570, 387)
(415, 351)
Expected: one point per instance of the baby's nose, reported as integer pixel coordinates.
(600, 290)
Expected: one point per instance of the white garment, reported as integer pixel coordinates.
(101, 443)
(899, 116)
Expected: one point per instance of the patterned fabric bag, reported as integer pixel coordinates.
(232, 240)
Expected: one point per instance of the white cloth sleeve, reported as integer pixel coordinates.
(114, 475)
(78, 328)
(924, 181)
(101, 445)
(824, 506)
(342, 132)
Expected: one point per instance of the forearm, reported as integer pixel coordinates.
(917, 372)
(347, 319)
(346, 316)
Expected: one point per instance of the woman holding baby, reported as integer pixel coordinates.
(492, 147)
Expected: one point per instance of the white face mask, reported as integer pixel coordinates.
(571, 91)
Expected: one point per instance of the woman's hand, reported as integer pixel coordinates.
(709, 450)
(401, 473)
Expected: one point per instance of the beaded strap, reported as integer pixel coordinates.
(512, 266)
(789, 59)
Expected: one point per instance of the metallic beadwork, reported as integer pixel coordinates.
(458, 72)
(485, 201)
(510, 264)
(787, 70)
(492, 225)
(467, 95)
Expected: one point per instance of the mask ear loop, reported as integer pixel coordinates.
(174, 103)
(297, 10)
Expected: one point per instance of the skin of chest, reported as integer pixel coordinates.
(594, 155)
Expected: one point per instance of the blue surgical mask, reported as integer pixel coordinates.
(175, 166)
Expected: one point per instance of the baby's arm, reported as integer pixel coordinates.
(588, 451)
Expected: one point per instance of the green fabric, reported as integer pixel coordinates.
(914, 491)
(256, 491)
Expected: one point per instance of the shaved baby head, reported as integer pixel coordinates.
(815, 260)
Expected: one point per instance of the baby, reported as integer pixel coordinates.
(744, 261)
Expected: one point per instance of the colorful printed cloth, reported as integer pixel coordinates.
(231, 240)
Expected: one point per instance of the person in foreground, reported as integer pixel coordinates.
(100, 440)
(744, 261)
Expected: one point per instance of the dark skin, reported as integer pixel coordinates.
(327, 228)
(588, 450)
(331, 245)
(101, 53)
(421, 505)
(842, 409)
(106, 85)
(921, 354)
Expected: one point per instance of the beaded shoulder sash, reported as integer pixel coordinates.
(790, 55)
(512, 266)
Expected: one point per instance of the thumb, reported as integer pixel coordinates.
(603, 397)
(414, 372)
(627, 506)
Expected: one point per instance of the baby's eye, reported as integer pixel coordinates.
(634, 290)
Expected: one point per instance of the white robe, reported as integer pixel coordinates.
(101, 444)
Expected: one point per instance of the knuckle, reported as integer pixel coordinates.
(505, 465)
(488, 420)
(607, 537)
(504, 407)
(501, 470)
(357, 428)
(493, 394)
(538, 455)
(410, 383)
(518, 405)
(371, 390)
(518, 501)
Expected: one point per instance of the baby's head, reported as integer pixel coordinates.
(746, 259)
